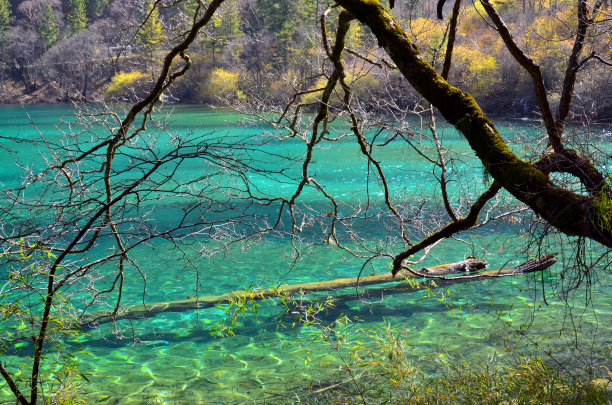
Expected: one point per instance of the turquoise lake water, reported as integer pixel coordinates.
(174, 357)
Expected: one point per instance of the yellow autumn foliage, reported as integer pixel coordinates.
(426, 33)
(548, 43)
(123, 83)
(222, 84)
(478, 67)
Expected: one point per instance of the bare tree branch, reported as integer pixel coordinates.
(534, 71)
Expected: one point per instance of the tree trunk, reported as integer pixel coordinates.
(571, 213)
(439, 273)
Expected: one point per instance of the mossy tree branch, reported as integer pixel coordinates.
(563, 160)
(570, 212)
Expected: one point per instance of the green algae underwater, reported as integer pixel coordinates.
(269, 356)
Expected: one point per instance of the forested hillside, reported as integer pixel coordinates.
(61, 50)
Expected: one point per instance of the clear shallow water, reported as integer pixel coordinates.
(176, 359)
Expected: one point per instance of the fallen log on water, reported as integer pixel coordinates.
(530, 266)
(445, 275)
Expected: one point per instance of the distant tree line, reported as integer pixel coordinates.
(54, 50)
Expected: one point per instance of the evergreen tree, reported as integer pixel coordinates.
(224, 27)
(14, 5)
(75, 16)
(47, 26)
(189, 8)
(151, 32)
(5, 14)
(283, 19)
(95, 8)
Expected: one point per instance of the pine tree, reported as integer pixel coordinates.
(5, 14)
(95, 8)
(151, 32)
(47, 27)
(283, 17)
(76, 17)
(223, 28)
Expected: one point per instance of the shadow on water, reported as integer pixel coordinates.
(287, 320)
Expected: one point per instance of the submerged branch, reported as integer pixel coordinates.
(440, 273)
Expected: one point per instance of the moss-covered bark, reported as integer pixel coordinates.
(571, 213)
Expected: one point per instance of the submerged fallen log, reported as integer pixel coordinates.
(444, 275)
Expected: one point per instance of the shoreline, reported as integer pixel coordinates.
(529, 119)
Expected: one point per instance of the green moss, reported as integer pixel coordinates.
(570, 212)
(603, 204)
